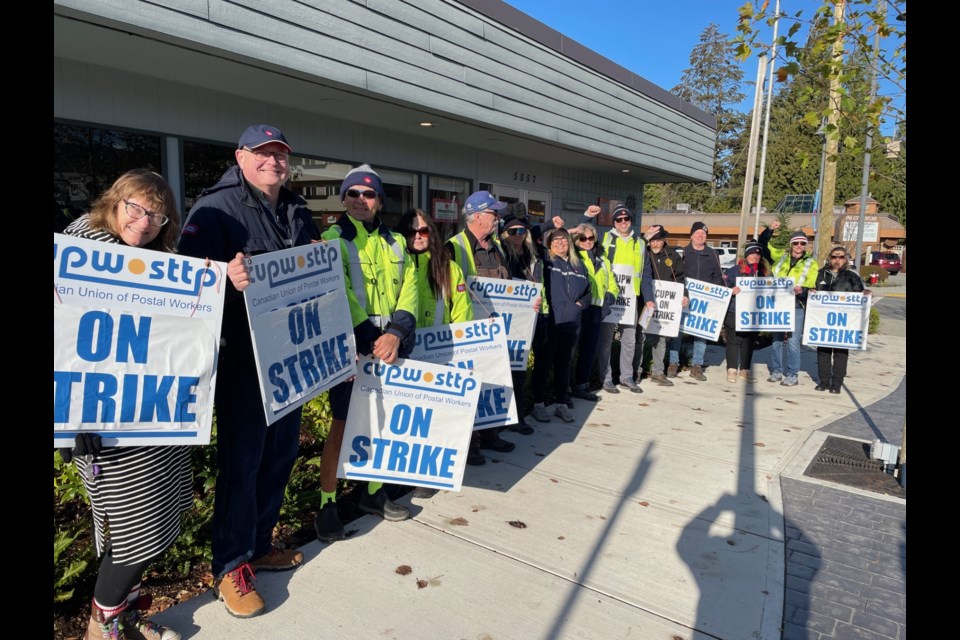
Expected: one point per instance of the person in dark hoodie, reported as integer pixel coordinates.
(662, 263)
(700, 262)
(248, 212)
(835, 275)
(568, 293)
(740, 343)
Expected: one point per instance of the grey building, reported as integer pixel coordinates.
(441, 97)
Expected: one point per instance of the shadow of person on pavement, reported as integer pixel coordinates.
(717, 542)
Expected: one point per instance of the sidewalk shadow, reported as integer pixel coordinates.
(630, 489)
(714, 542)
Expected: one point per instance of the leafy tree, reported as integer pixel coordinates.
(862, 19)
(711, 83)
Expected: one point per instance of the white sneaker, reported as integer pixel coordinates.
(540, 413)
(564, 414)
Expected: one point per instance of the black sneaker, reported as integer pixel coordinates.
(379, 504)
(501, 445)
(476, 459)
(569, 403)
(424, 493)
(521, 427)
(584, 394)
(328, 525)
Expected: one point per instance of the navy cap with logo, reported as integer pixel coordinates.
(481, 201)
(257, 135)
(699, 224)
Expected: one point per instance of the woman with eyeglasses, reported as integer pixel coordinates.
(835, 275)
(603, 293)
(136, 493)
(442, 296)
(568, 294)
(524, 261)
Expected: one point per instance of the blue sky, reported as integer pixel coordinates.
(654, 38)
(651, 38)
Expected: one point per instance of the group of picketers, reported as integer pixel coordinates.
(397, 280)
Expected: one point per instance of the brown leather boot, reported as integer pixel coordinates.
(696, 372)
(237, 591)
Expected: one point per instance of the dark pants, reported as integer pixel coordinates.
(589, 341)
(739, 344)
(556, 354)
(115, 581)
(832, 374)
(519, 388)
(254, 463)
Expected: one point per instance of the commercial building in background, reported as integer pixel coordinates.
(441, 97)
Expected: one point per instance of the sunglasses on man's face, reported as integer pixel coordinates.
(423, 231)
(356, 193)
(517, 231)
(801, 243)
(838, 257)
(622, 219)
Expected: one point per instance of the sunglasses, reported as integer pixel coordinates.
(356, 193)
(621, 219)
(838, 257)
(412, 233)
(799, 242)
(517, 231)
(587, 238)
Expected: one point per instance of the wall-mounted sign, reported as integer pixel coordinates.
(443, 210)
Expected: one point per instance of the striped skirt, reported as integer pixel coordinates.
(137, 497)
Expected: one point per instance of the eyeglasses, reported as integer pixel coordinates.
(621, 219)
(356, 193)
(517, 231)
(136, 211)
(280, 156)
(588, 238)
(799, 242)
(412, 233)
(559, 239)
(838, 257)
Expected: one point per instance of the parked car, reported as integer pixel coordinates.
(728, 255)
(887, 260)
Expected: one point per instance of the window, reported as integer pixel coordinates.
(88, 159)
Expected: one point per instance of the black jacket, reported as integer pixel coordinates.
(703, 264)
(656, 267)
(228, 218)
(844, 280)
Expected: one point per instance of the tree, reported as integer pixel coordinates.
(712, 83)
(840, 55)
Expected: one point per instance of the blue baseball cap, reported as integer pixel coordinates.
(257, 135)
(481, 201)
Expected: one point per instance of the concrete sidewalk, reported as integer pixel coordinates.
(659, 515)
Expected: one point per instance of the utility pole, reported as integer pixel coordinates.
(766, 122)
(752, 153)
(825, 227)
(882, 10)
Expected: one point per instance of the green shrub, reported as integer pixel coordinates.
(70, 562)
(874, 324)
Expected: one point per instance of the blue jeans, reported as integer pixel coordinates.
(254, 461)
(673, 349)
(699, 349)
(792, 367)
